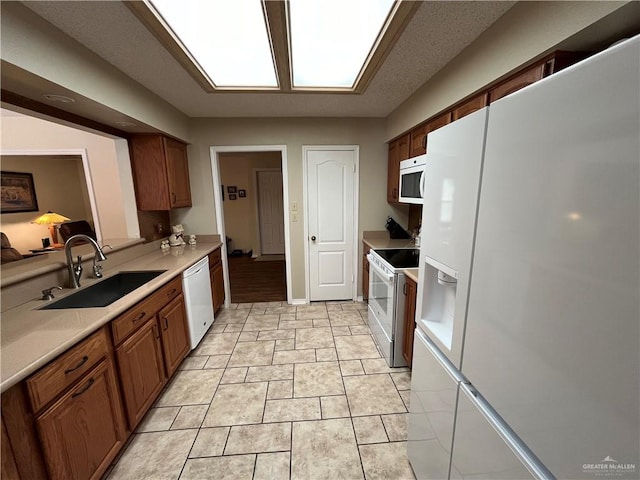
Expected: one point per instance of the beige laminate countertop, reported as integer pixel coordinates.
(31, 338)
(412, 273)
(381, 239)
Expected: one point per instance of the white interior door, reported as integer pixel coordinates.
(270, 212)
(331, 199)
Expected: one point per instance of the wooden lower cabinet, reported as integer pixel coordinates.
(410, 292)
(365, 272)
(175, 334)
(84, 430)
(141, 366)
(217, 279)
(9, 468)
(67, 420)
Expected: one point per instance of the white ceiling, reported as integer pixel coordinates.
(437, 33)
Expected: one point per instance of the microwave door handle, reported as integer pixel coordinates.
(422, 181)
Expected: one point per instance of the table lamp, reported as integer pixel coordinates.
(52, 219)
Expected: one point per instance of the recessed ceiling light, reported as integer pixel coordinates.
(58, 98)
(126, 124)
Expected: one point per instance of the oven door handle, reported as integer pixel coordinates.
(379, 272)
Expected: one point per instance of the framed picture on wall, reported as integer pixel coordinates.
(232, 196)
(232, 189)
(242, 193)
(17, 193)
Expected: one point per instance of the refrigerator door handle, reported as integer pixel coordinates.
(526, 456)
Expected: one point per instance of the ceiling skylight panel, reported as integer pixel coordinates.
(331, 39)
(228, 39)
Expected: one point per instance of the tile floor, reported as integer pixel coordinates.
(276, 392)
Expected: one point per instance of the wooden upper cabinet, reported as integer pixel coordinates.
(419, 134)
(472, 105)
(393, 172)
(517, 82)
(179, 187)
(418, 142)
(160, 172)
(404, 148)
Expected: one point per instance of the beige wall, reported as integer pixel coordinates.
(293, 133)
(36, 46)
(29, 133)
(527, 31)
(52, 178)
(240, 215)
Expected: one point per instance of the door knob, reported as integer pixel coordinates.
(313, 238)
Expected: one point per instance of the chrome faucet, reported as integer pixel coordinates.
(75, 271)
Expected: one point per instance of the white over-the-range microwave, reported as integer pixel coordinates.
(412, 179)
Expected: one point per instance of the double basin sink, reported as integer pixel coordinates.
(106, 291)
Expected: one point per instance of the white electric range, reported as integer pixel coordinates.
(387, 299)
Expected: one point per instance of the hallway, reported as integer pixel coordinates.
(254, 281)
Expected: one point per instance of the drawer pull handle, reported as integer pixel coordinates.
(171, 292)
(80, 363)
(156, 331)
(87, 387)
(166, 323)
(139, 317)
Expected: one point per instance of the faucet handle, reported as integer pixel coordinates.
(97, 270)
(46, 293)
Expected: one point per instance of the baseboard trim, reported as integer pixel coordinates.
(299, 301)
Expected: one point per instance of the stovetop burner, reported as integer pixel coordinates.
(401, 257)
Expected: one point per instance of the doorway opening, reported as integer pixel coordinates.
(250, 196)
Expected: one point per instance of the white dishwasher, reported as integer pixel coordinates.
(196, 285)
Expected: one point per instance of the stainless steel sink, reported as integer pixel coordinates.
(105, 292)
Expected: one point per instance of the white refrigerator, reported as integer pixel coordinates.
(549, 380)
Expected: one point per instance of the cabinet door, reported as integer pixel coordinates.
(141, 370)
(178, 173)
(365, 277)
(418, 142)
(409, 320)
(218, 286)
(470, 106)
(515, 83)
(398, 151)
(83, 431)
(365, 271)
(9, 469)
(404, 146)
(150, 172)
(393, 173)
(175, 334)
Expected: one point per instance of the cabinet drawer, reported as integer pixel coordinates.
(51, 380)
(215, 257)
(135, 317)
